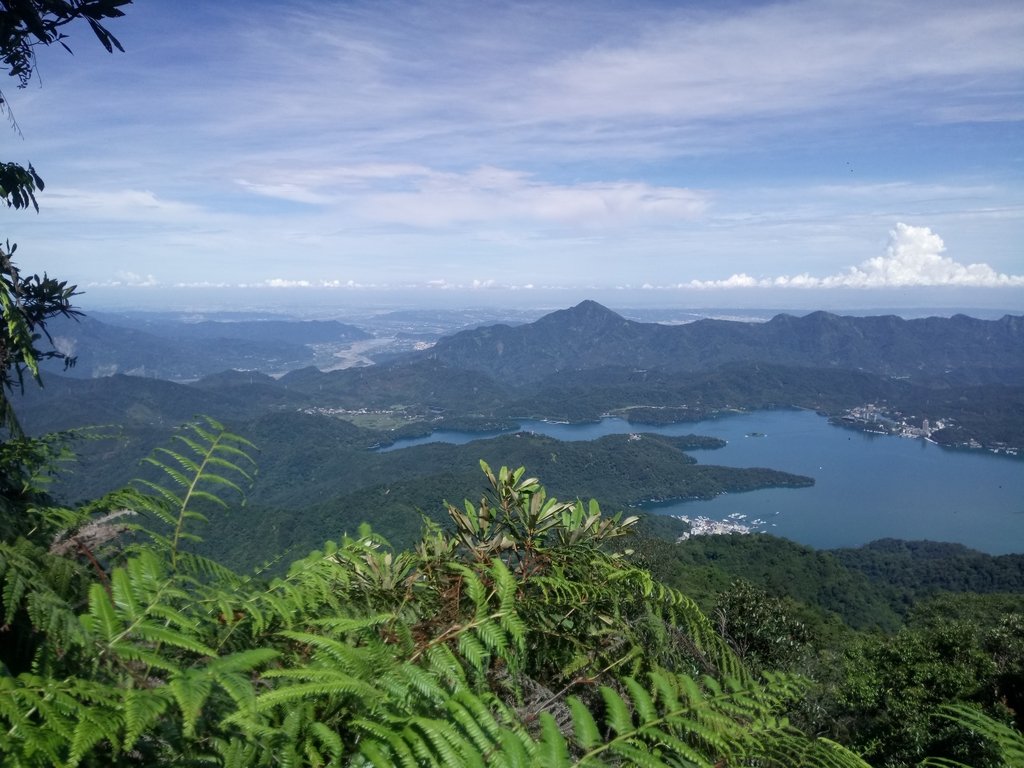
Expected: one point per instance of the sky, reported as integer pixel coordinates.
(777, 154)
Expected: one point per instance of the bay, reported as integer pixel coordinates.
(866, 487)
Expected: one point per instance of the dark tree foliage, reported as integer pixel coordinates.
(24, 26)
(765, 631)
(18, 184)
(27, 24)
(28, 302)
(885, 696)
(920, 569)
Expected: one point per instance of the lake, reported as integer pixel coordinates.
(867, 486)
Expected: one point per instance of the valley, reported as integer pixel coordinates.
(320, 430)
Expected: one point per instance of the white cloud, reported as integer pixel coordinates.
(293, 192)
(914, 258)
(533, 142)
(791, 58)
(279, 282)
(302, 284)
(418, 196)
(741, 280)
(127, 279)
(320, 185)
(121, 203)
(619, 78)
(495, 194)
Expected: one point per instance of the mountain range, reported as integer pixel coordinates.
(959, 349)
(318, 430)
(576, 364)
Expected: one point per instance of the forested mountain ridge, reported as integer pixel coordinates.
(417, 393)
(588, 336)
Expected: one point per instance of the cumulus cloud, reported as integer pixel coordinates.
(913, 258)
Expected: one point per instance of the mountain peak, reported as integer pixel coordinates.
(588, 313)
(591, 306)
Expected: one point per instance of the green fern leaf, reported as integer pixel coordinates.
(584, 726)
(102, 619)
(553, 751)
(473, 651)
(618, 714)
(518, 749)
(641, 756)
(478, 723)
(642, 701)
(94, 726)
(580, 660)
(351, 624)
(410, 678)
(683, 751)
(239, 687)
(402, 753)
(493, 638)
(190, 690)
(154, 633)
(342, 655)
(142, 708)
(329, 684)
(243, 661)
(328, 738)
(1007, 740)
(443, 741)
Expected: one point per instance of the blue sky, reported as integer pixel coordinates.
(815, 154)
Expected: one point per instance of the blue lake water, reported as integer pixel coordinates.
(867, 487)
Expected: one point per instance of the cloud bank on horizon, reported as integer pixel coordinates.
(478, 145)
(913, 259)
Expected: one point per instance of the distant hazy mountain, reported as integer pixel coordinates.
(172, 349)
(299, 332)
(590, 336)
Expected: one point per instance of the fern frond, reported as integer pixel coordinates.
(1008, 741)
(587, 733)
(190, 689)
(208, 462)
(553, 750)
(142, 709)
(302, 684)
